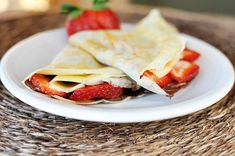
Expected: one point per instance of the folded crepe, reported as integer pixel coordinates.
(74, 68)
(154, 45)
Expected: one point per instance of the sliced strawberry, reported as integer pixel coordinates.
(41, 84)
(162, 82)
(104, 91)
(190, 55)
(184, 71)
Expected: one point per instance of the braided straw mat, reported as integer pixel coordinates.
(27, 131)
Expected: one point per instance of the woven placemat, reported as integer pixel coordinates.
(25, 130)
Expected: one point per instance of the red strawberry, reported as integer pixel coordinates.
(97, 18)
(104, 91)
(41, 84)
(184, 71)
(190, 55)
(162, 82)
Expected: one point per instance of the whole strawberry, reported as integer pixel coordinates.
(97, 18)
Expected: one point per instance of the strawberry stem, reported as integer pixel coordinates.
(99, 4)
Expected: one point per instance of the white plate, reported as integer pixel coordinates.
(214, 81)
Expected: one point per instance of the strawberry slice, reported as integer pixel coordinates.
(190, 55)
(40, 83)
(162, 82)
(184, 71)
(104, 91)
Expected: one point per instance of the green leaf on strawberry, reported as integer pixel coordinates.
(99, 4)
(67, 8)
(74, 14)
(71, 10)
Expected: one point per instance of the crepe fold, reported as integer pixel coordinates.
(74, 68)
(153, 45)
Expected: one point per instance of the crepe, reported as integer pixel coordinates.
(74, 68)
(153, 45)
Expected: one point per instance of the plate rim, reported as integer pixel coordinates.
(35, 100)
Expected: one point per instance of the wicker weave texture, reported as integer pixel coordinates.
(25, 130)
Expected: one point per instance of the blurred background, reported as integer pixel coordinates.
(209, 6)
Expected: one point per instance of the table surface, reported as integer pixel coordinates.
(210, 131)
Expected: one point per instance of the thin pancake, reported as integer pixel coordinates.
(153, 45)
